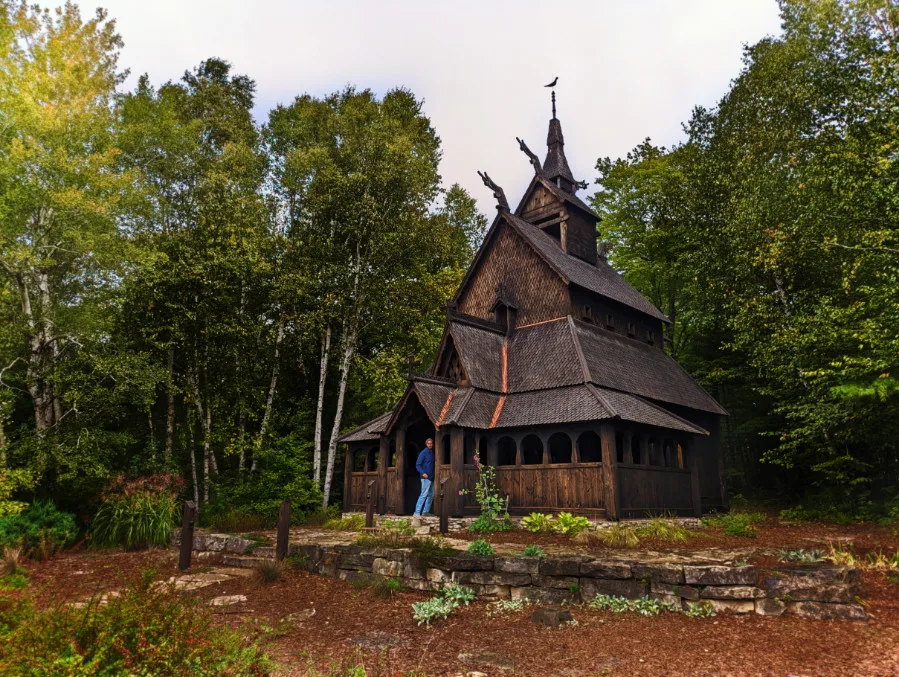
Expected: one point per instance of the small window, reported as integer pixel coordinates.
(631, 329)
(391, 455)
(505, 451)
(588, 314)
(650, 337)
(531, 450)
(610, 321)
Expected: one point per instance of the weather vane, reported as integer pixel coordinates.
(553, 84)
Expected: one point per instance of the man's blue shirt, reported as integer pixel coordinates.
(425, 463)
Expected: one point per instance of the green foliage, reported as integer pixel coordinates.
(349, 523)
(568, 525)
(699, 610)
(41, 530)
(493, 515)
(532, 551)
(399, 533)
(487, 525)
(269, 571)
(481, 548)
(504, 607)
(138, 513)
(141, 632)
(800, 555)
(740, 524)
(12, 481)
(645, 606)
(450, 598)
(14, 581)
(619, 535)
(385, 588)
(538, 523)
(662, 529)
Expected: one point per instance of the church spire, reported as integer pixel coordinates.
(555, 167)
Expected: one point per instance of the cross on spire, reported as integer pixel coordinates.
(412, 364)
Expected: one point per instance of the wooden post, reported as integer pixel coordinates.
(610, 471)
(457, 458)
(694, 481)
(187, 534)
(283, 530)
(400, 499)
(348, 479)
(442, 508)
(370, 499)
(382, 475)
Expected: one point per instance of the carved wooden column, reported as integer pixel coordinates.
(489, 454)
(610, 471)
(457, 458)
(696, 494)
(400, 497)
(348, 479)
(628, 456)
(384, 456)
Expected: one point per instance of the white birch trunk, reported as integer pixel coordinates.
(323, 374)
(270, 398)
(170, 410)
(348, 352)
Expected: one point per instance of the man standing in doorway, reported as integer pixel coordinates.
(425, 467)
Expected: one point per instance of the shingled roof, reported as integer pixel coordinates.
(368, 431)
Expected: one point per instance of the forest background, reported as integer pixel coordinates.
(187, 291)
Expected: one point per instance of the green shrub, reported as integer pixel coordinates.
(348, 523)
(142, 632)
(41, 530)
(538, 523)
(12, 481)
(14, 581)
(735, 523)
(450, 598)
(569, 525)
(699, 610)
(457, 594)
(485, 524)
(645, 606)
(139, 520)
(532, 551)
(386, 587)
(662, 529)
(619, 535)
(481, 548)
(318, 516)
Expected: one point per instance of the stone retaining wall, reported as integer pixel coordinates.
(812, 591)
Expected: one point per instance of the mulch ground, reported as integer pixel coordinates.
(352, 625)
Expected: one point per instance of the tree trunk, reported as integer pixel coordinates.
(205, 415)
(270, 398)
(193, 457)
(317, 449)
(170, 410)
(348, 352)
(2, 443)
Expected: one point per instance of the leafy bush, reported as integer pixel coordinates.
(494, 516)
(619, 535)
(699, 610)
(348, 523)
(485, 524)
(14, 581)
(662, 529)
(142, 632)
(645, 606)
(538, 523)
(736, 523)
(12, 481)
(41, 530)
(450, 598)
(501, 607)
(481, 548)
(138, 513)
(569, 525)
(532, 551)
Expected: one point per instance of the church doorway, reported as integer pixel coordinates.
(416, 435)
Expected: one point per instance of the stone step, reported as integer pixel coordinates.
(423, 530)
(245, 561)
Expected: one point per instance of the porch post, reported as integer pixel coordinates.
(610, 471)
(457, 454)
(384, 456)
(400, 498)
(695, 492)
(348, 479)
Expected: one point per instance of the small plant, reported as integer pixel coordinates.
(14, 581)
(699, 610)
(269, 571)
(348, 523)
(40, 530)
(396, 533)
(843, 556)
(494, 515)
(458, 594)
(569, 525)
(532, 551)
(620, 535)
(386, 587)
(502, 607)
(138, 513)
(485, 524)
(450, 598)
(538, 523)
(740, 524)
(481, 548)
(9, 563)
(801, 555)
(610, 603)
(661, 529)
(645, 606)
(574, 588)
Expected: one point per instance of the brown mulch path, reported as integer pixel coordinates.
(354, 625)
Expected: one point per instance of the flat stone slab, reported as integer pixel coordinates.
(194, 581)
(489, 659)
(233, 571)
(227, 600)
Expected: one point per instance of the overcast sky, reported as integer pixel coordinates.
(627, 69)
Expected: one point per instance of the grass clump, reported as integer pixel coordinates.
(740, 524)
(620, 535)
(40, 530)
(138, 513)
(450, 598)
(661, 529)
(393, 534)
(385, 588)
(532, 551)
(269, 571)
(348, 523)
(14, 581)
(141, 632)
(481, 548)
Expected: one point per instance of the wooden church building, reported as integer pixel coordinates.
(552, 368)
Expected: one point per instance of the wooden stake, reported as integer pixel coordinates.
(283, 530)
(187, 534)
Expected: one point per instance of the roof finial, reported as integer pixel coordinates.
(553, 84)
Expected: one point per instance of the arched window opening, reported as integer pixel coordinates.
(636, 455)
(560, 448)
(680, 456)
(619, 447)
(447, 450)
(359, 461)
(653, 451)
(371, 462)
(483, 455)
(589, 447)
(391, 455)
(668, 454)
(505, 451)
(470, 448)
(531, 450)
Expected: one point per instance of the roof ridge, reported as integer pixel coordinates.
(579, 349)
(466, 398)
(602, 400)
(657, 407)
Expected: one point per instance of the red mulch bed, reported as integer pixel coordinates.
(353, 624)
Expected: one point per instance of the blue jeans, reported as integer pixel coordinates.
(426, 498)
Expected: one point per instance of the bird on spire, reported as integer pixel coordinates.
(553, 83)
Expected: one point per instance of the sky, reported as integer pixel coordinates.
(628, 69)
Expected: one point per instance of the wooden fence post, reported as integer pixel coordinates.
(283, 531)
(442, 508)
(187, 534)
(695, 493)
(370, 506)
